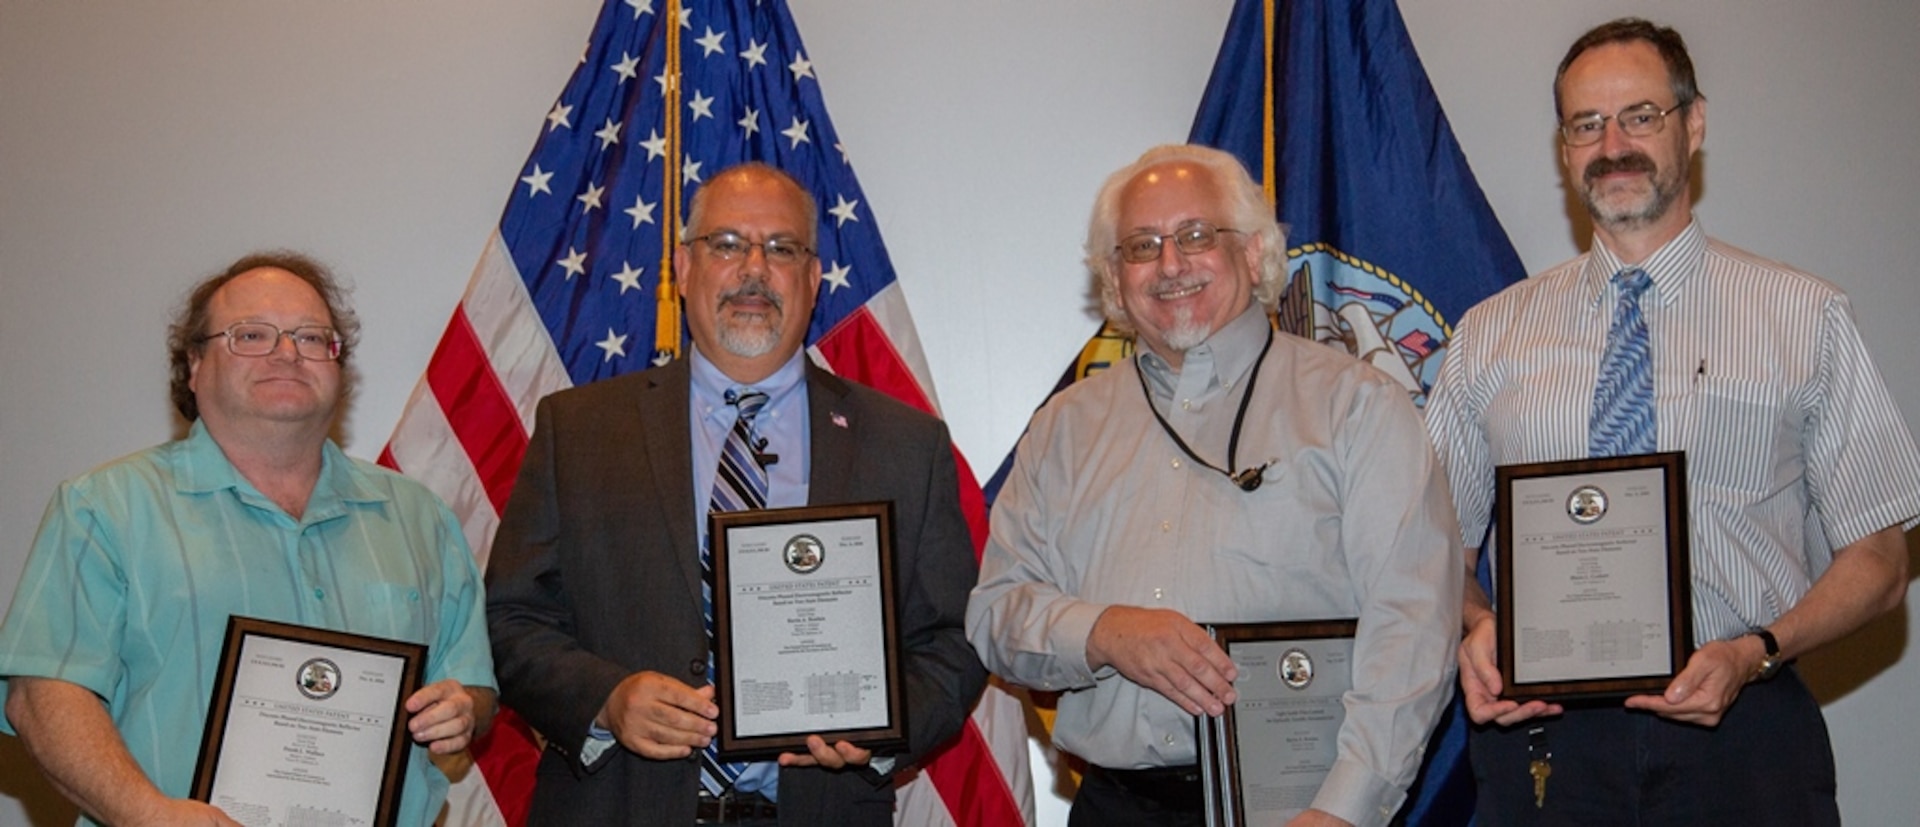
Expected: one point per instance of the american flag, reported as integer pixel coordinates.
(1419, 343)
(570, 289)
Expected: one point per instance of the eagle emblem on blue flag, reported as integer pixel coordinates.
(1342, 300)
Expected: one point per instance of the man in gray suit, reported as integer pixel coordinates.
(594, 589)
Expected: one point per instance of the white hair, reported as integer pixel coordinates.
(1246, 204)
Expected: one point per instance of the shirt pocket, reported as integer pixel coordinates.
(396, 610)
(1276, 551)
(1744, 429)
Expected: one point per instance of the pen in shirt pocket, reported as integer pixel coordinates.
(1700, 372)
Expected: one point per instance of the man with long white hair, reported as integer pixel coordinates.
(1228, 473)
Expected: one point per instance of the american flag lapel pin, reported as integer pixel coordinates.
(839, 419)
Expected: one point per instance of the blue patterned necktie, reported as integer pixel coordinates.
(740, 484)
(1622, 420)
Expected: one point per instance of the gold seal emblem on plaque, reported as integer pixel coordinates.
(804, 554)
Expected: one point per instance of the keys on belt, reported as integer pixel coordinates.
(1539, 763)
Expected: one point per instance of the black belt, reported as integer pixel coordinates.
(734, 807)
(1176, 788)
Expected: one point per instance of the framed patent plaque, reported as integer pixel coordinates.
(1264, 760)
(805, 636)
(1593, 585)
(307, 726)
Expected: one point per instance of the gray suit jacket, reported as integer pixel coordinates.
(595, 575)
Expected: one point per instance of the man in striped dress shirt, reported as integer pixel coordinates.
(1801, 473)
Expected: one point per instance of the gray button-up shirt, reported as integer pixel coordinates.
(1353, 520)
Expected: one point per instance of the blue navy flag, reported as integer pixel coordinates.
(1390, 239)
(576, 285)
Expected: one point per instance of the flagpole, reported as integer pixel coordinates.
(666, 327)
(1266, 129)
(1267, 182)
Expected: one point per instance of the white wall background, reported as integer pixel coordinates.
(143, 144)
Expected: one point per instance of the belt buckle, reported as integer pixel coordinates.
(732, 807)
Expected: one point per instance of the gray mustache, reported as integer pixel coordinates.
(756, 289)
(1165, 286)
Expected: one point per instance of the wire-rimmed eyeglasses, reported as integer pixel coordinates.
(1191, 238)
(1637, 121)
(312, 342)
(727, 245)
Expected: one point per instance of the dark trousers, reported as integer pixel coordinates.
(1138, 798)
(1768, 763)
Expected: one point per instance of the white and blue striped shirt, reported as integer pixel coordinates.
(1794, 447)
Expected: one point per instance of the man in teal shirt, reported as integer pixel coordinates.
(110, 647)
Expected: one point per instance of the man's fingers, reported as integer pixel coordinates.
(1164, 651)
(852, 754)
(824, 754)
(819, 754)
(1202, 673)
(660, 717)
(1703, 691)
(1178, 682)
(1216, 659)
(1526, 712)
(664, 732)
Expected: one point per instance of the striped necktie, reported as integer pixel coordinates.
(740, 484)
(1622, 419)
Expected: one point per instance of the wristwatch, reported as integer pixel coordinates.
(1769, 665)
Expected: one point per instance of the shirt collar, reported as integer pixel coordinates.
(710, 386)
(201, 467)
(1226, 356)
(1669, 267)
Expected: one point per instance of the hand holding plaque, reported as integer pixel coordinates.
(834, 756)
